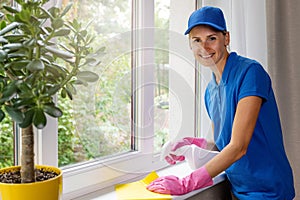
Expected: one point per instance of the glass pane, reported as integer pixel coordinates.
(7, 143)
(97, 123)
(6, 127)
(161, 107)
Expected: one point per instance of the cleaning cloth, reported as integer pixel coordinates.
(137, 190)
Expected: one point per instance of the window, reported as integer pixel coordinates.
(6, 130)
(103, 120)
(114, 129)
(98, 123)
(150, 58)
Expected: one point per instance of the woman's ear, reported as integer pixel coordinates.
(190, 44)
(227, 38)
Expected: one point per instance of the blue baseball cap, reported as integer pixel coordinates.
(207, 15)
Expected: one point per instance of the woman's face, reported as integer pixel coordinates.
(209, 46)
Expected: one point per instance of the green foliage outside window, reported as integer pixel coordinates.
(6, 143)
(73, 145)
(6, 128)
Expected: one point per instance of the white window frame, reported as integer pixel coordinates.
(88, 177)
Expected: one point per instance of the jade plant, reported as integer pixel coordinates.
(41, 55)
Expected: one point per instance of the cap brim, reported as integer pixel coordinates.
(219, 28)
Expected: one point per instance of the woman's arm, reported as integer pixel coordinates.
(243, 126)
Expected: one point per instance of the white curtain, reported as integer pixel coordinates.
(246, 22)
(283, 28)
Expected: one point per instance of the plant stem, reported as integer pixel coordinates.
(27, 161)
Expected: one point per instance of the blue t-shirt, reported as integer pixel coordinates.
(264, 171)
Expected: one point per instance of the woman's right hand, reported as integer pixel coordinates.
(169, 147)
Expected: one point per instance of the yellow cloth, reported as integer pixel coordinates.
(137, 190)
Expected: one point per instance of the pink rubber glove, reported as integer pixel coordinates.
(171, 158)
(176, 186)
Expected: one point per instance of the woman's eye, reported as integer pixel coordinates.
(212, 38)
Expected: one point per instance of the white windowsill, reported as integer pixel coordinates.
(179, 170)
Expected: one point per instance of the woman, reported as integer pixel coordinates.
(241, 104)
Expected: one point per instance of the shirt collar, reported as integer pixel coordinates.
(228, 66)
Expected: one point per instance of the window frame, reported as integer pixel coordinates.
(83, 178)
(90, 176)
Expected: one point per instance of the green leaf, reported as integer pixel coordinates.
(52, 110)
(83, 33)
(15, 114)
(87, 76)
(61, 32)
(2, 115)
(39, 118)
(3, 56)
(25, 15)
(100, 50)
(25, 90)
(59, 53)
(57, 23)
(16, 55)
(24, 102)
(35, 65)
(28, 116)
(54, 11)
(12, 47)
(11, 9)
(19, 65)
(76, 24)
(14, 38)
(66, 10)
(53, 90)
(69, 93)
(63, 93)
(9, 92)
(10, 18)
(3, 40)
(81, 82)
(71, 88)
(47, 13)
(2, 24)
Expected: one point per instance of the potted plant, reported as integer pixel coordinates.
(34, 67)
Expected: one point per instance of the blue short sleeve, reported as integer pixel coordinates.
(255, 82)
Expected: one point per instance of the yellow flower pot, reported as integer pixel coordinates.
(43, 190)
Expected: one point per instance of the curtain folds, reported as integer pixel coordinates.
(283, 28)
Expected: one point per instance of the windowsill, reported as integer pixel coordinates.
(179, 170)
